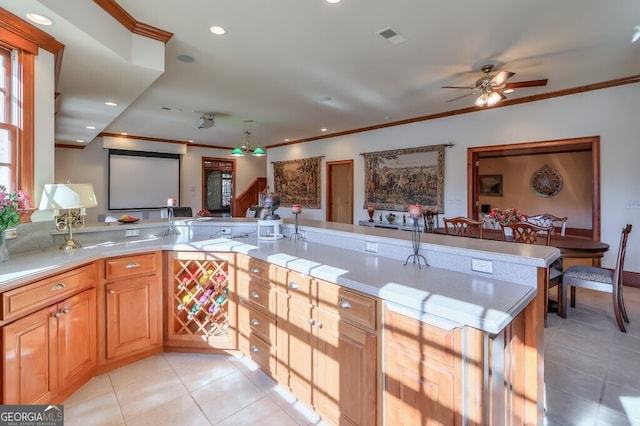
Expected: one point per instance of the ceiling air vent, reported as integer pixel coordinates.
(391, 35)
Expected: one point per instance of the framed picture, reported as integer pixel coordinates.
(396, 178)
(491, 185)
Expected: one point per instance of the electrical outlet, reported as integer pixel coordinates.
(485, 266)
(633, 204)
(370, 247)
(131, 232)
(225, 231)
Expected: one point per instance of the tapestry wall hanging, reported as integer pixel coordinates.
(396, 178)
(298, 182)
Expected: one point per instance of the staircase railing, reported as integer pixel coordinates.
(252, 195)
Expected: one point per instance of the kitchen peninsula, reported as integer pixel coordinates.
(296, 307)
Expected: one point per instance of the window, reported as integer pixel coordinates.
(8, 130)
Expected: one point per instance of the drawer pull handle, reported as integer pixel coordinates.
(293, 285)
(255, 295)
(65, 311)
(255, 349)
(344, 304)
(311, 321)
(132, 265)
(57, 287)
(56, 314)
(255, 322)
(255, 270)
(319, 324)
(112, 292)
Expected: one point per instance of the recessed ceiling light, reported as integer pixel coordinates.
(190, 141)
(323, 130)
(39, 19)
(185, 58)
(91, 127)
(109, 103)
(217, 30)
(124, 133)
(333, 1)
(80, 140)
(508, 91)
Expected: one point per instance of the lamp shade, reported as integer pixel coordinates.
(258, 152)
(67, 196)
(237, 152)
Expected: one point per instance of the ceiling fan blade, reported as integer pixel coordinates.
(530, 83)
(456, 87)
(501, 77)
(460, 97)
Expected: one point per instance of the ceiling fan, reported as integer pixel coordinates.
(491, 87)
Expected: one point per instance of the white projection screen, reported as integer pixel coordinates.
(142, 180)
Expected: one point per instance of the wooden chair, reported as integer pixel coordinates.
(599, 279)
(529, 233)
(546, 219)
(431, 221)
(463, 226)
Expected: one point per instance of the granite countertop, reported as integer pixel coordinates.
(427, 293)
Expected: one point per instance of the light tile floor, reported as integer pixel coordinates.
(592, 377)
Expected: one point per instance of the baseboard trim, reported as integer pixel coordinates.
(631, 279)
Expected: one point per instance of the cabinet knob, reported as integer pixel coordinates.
(344, 304)
(255, 322)
(255, 270)
(311, 321)
(56, 314)
(132, 265)
(255, 349)
(255, 295)
(58, 286)
(65, 311)
(111, 292)
(293, 285)
(319, 324)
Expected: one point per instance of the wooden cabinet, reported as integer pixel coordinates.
(328, 343)
(256, 312)
(51, 351)
(131, 308)
(422, 372)
(199, 312)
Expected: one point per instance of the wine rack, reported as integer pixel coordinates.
(199, 299)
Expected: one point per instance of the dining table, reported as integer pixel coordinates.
(574, 250)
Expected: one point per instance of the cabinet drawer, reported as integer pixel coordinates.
(301, 287)
(46, 291)
(252, 321)
(350, 306)
(261, 353)
(130, 266)
(255, 268)
(256, 292)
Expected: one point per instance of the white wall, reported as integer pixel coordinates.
(611, 114)
(90, 165)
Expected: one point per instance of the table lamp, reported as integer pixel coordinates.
(72, 199)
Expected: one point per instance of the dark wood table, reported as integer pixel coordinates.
(573, 250)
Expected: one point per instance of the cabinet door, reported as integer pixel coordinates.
(132, 315)
(297, 350)
(77, 337)
(29, 368)
(345, 372)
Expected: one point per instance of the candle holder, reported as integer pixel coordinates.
(296, 235)
(415, 241)
(172, 230)
(72, 219)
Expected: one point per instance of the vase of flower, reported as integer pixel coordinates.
(13, 205)
(4, 253)
(505, 216)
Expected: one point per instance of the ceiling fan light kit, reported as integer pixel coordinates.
(492, 87)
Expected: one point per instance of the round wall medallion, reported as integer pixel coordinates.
(546, 182)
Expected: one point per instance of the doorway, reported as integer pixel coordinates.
(590, 145)
(218, 181)
(340, 191)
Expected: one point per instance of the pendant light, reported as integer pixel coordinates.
(239, 151)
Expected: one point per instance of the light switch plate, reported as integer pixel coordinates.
(479, 265)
